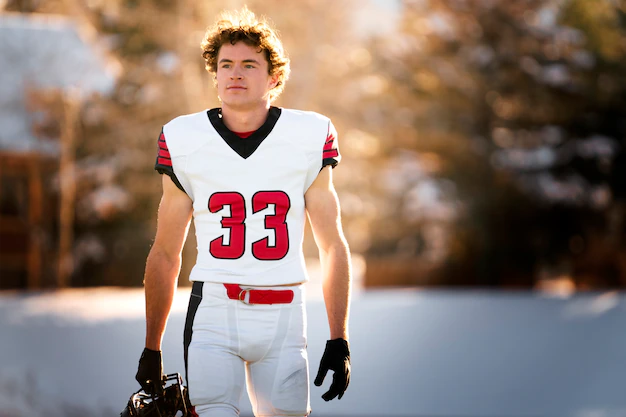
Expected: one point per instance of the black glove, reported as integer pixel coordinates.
(336, 358)
(150, 372)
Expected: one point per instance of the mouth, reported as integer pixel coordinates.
(236, 87)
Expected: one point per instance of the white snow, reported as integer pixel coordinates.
(414, 353)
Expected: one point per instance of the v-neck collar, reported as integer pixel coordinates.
(244, 147)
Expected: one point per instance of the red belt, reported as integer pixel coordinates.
(235, 292)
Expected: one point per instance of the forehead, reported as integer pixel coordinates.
(239, 52)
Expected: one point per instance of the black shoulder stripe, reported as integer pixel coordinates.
(162, 169)
(329, 161)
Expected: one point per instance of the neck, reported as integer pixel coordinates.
(244, 120)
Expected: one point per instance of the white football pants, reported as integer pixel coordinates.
(229, 343)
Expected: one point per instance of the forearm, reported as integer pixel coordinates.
(337, 272)
(160, 286)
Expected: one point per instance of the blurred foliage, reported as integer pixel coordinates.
(522, 106)
(482, 139)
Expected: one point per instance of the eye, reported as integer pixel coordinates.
(249, 66)
(225, 65)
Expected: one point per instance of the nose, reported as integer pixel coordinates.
(236, 74)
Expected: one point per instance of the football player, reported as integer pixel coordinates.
(248, 173)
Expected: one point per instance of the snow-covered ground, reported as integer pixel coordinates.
(414, 353)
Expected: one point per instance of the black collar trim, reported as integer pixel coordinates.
(244, 147)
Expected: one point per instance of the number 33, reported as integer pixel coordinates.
(261, 249)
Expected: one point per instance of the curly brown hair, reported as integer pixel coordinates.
(243, 26)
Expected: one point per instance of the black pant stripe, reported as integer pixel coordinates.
(194, 302)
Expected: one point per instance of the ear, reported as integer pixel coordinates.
(273, 81)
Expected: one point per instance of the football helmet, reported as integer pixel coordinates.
(174, 401)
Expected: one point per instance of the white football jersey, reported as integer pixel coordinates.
(248, 194)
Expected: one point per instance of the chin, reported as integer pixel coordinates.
(243, 104)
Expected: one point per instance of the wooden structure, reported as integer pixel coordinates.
(28, 220)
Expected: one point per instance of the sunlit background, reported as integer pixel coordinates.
(484, 158)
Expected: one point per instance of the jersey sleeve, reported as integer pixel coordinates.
(330, 153)
(163, 163)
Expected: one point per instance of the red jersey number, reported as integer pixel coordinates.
(261, 249)
(235, 222)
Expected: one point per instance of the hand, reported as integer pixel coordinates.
(150, 372)
(336, 358)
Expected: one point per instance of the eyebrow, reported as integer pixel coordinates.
(254, 61)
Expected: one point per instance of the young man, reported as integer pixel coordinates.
(248, 172)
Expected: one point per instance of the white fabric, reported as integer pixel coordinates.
(287, 161)
(234, 343)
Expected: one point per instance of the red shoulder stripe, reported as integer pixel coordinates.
(330, 141)
(164, 161)
(164, 153)
(330, 153)
(163, 157)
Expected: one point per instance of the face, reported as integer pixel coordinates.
(242, 77)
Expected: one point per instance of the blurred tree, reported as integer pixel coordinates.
(519, 107)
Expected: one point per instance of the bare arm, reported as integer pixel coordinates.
(323, 210)
(164, 260)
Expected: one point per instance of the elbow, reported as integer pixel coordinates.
(336, 251)
(338, 248)
(163, 259)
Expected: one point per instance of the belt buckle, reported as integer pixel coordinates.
(242, 295)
